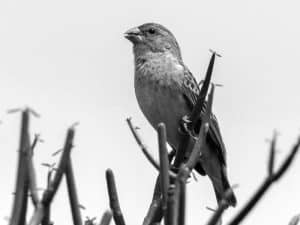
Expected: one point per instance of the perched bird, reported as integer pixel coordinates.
(167, 91)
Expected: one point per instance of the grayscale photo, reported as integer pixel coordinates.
(149, 113)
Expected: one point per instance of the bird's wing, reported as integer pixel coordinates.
(191, 92)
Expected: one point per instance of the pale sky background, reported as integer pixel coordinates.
(69, 61)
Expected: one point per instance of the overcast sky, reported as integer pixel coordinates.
(69, 61)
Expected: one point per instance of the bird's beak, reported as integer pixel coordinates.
(134, 35)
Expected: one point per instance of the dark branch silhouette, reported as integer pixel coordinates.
(106, 218)
(72, 191)
(113, 198)
(18, 215)
(270, 179)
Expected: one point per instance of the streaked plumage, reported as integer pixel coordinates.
(166, 91)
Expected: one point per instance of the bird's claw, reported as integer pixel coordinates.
(184, 125)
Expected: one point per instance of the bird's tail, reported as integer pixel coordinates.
(220, 187)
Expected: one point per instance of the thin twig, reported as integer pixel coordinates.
(113, 198)
(272, 155)
(49, 193)
(144, 148)
(141, 144)
(265, 185)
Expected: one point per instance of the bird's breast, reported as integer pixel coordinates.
(157, 88)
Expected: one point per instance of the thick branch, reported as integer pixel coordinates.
(164, 163)
(106, 218)
(113, 198)
(21, 189)
(73, 198)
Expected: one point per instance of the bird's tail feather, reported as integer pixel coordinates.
(221, 187)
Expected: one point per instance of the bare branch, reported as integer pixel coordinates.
(195, 114)
(144, 148)
(142, 145)
(72, 191)
(164, 163)
(113, 198)
(295, 220)
(41, 209)
(106, 218)
(272, 155)
(18, 214)
(203, 93)
(171, 215)
(49, 193)
(265, 185)
(182, 200)
(32, 174)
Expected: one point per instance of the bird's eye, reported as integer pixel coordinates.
(151, 31)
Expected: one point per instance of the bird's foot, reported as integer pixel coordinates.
(184, 125)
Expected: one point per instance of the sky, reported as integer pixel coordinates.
(69, 61)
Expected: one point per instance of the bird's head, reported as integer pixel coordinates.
(154, 38)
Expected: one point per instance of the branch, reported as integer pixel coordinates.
(141, 144)
(106, 218)
(32, 175)
(203, 92)
(54, 184)
(49, 193)
(182, 200)
(266, 184)
(202, 134)
(73, 198)
(195, 114)
(155, 212)
(18, 214)
(171, 214)
(164, 163)
(113, 198)
(185, 169)
(144, 148)
(295, 220)
(272, 155)
(215, 219)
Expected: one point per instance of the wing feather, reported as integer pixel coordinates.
(191, 92)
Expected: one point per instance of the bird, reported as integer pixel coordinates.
(166, 92)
